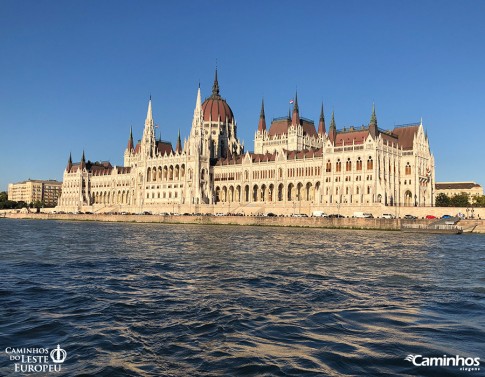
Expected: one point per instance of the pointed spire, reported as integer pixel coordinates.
(83, 161)
(333, 129)
(69, 163)
(149, 111)
(198, 102)
(321, 123)
(262, 119)
(178, 147)
(332, 122)
(373, 122)
(130, 140)
(215, 87)
(295, 120)
(373, 118)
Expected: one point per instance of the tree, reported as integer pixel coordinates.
(460, 200)
(443, 200)
(3, 196)
(480, 201)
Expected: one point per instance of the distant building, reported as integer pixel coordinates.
(454, 188)
(295, 164)
(33, 190)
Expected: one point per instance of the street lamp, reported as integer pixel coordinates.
(415, 200)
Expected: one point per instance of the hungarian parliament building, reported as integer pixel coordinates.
(295, 166)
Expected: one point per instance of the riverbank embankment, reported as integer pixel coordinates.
(306, 222)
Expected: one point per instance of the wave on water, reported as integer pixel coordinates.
(173, 300)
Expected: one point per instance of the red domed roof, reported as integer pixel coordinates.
(216, 107)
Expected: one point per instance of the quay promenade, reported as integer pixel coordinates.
(309, 222)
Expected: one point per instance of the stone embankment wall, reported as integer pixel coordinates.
(310, 222)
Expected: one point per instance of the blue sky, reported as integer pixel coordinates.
(76, 75)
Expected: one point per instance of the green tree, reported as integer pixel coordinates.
(3, 196)
(443, 200)
(460, 200)
(480, 201)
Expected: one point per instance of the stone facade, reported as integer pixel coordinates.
(455, 188)
(294, 166)
(31, 191)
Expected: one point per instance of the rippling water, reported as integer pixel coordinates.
(182, 300)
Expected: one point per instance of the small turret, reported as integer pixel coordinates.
(178, 147)
(262, 120)
(69, 163)
(333, 129)
(130, 146)
(83, 161)
(295, 119)
(321, 123)
(373, 123)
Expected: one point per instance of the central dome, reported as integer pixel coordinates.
(215, 107)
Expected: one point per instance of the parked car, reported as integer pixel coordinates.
(388, 216)
(446, 217)
(336, 216)
(409, 217)
(319, 214)
(430, 217)
(270, 214)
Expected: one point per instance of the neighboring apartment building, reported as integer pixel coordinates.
(454, 188)
(34, 190)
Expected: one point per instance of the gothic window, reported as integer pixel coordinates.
(408, 169)
(338, 166)
(328, 167)
(348, 165)
(370, 163)
(359, 164)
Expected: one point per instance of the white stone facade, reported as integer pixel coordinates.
(293, 166)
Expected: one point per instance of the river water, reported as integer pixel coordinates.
(128, 299)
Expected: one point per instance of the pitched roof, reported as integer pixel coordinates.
(279, 126)
(164, 147)
(456, 185)
(349, 137)
(406, 135)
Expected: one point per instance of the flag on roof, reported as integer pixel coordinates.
(291, 101)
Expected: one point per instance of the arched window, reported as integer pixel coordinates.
(328, 167)
(408, 169)
(348, 165)
(370, 163)
(359, 164)
(338, 166)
